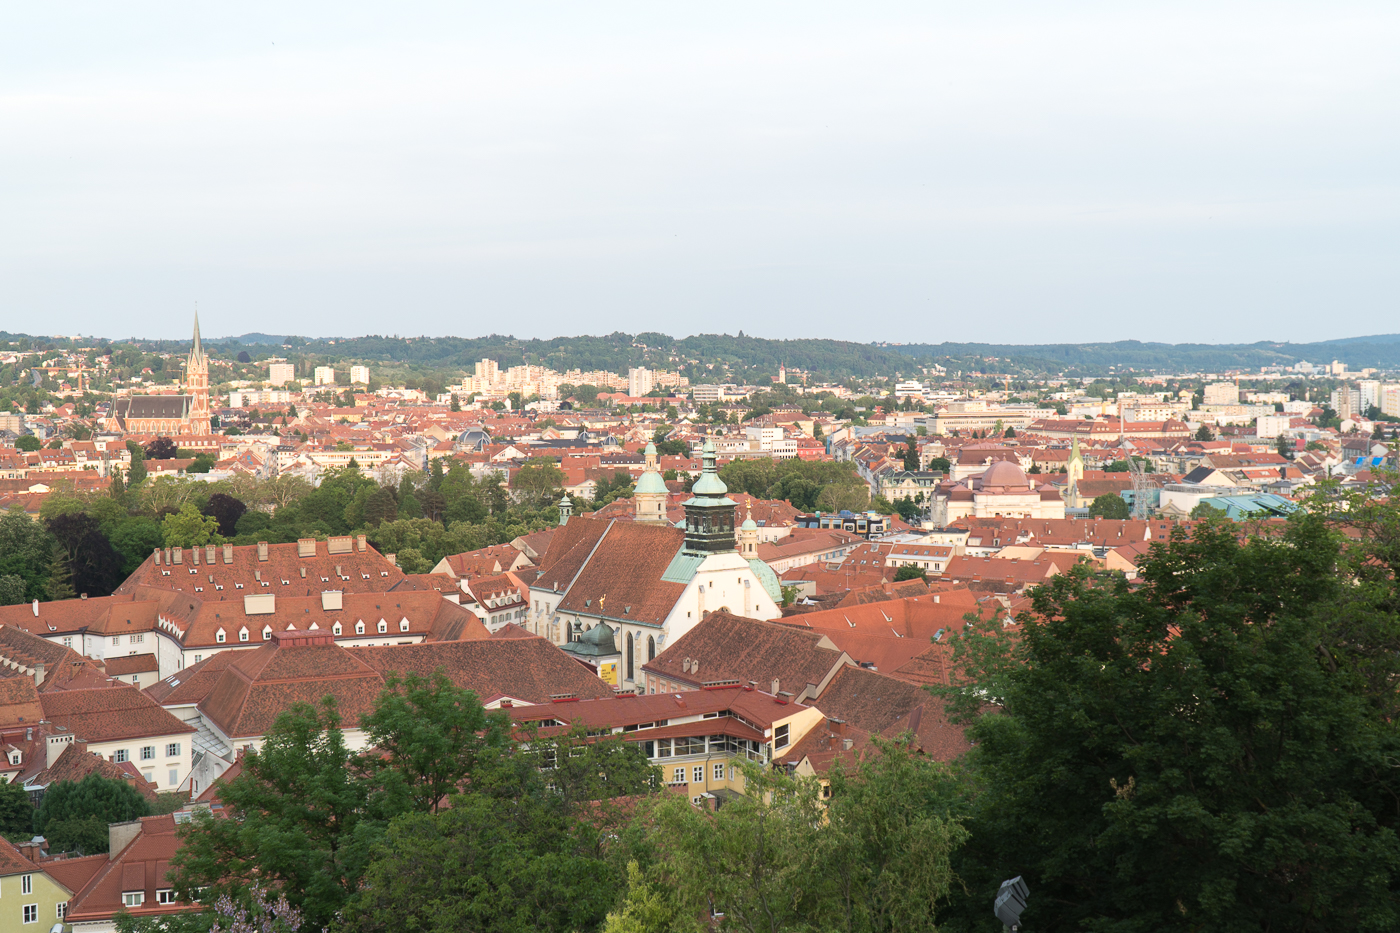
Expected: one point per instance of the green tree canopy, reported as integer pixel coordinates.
(74, 814)
(190, 528)
(1201, 750)
(1110, 505)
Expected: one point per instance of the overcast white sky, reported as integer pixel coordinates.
(990, 171)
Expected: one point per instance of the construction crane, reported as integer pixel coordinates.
(1138, 472)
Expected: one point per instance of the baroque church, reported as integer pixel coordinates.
(170, 415)
(619, 591)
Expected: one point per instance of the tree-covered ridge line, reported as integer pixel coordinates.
(725, 358)
(1381, 351)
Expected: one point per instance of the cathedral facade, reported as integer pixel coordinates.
(172, 415)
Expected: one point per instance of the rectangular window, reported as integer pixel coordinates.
(68, 641)
(133, 898)
(119, 756)
(699, 773)
(117, 640)
(137, 639)
(26, 884)
(719, 772)
(679, 776)
(780, 736)
(172, 749)
(174, 777)
(31, 913)
(60, 909)
(165, 896)
(148, 752)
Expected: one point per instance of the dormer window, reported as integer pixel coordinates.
(267, 632)
(220, 637)
(403, 625)
(383, 626)
(335, 629)
(243, 634)
(359, 628)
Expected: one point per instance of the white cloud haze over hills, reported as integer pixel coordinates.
(1001, 172)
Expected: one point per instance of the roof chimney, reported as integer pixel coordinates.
(179, 555)
(360, 542)
(306, 547)
(774, 691)
(228, 553)
(39, 675)
(262, 550)
(156, 556)
(36, 608)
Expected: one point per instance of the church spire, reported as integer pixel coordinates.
(197, 351)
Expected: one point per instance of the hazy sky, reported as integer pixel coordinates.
(1007, 172)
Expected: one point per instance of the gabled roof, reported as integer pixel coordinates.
(110, 714)
(881, 704)
(141, 865)
(531, 668)
(723, 647)
(621, 577)
(77, 762)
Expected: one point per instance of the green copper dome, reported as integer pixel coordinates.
(651, 484)
(709, 483)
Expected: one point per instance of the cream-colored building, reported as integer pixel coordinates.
(1003, 491)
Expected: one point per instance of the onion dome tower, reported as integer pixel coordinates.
(709, 513)
(649, 497)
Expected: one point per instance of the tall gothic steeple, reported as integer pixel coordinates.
(197, 385)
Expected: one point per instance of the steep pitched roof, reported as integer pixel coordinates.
(109, 714)
(77, 762)
(622, 578)
(723, 646)
(531, 669)
(258, 686)
(881, 704)
(569, 548)
(141, 865)
(350, 569)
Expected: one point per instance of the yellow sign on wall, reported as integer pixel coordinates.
(608, 672)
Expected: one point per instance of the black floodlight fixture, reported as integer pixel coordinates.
(1011, 900)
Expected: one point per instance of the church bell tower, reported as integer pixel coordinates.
(197, 385)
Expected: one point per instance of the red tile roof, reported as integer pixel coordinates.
(109, 714)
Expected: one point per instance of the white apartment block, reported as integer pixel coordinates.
(279, 374)
(639, 381)
(325, 375)
(359, 375)
(1390, 401)
(1222, 393)
(243, 398)
(1370, 393)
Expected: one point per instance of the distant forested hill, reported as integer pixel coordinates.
(1382, 352)
(751, 359)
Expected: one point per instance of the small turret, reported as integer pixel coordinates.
(649, 495)
(748, 536)
(566, 508)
